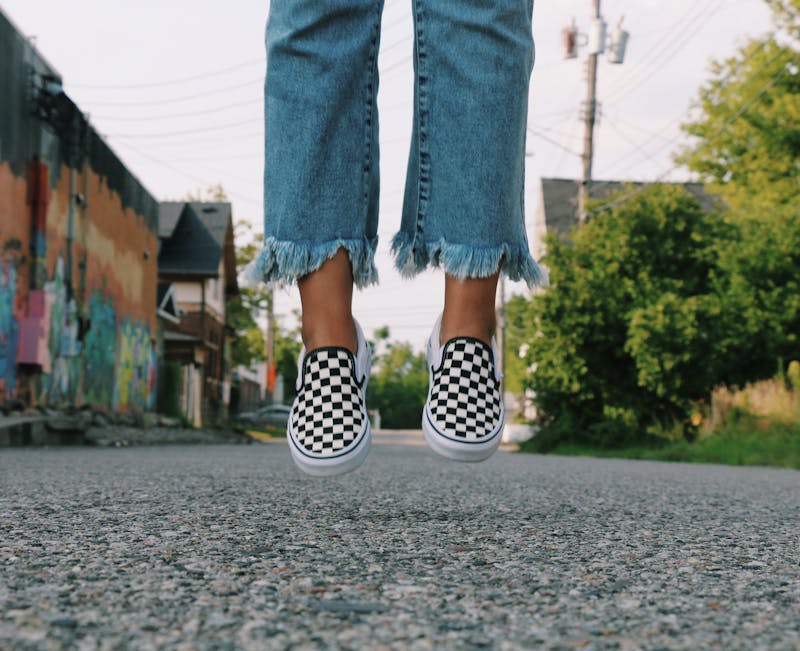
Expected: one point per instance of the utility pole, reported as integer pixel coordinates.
(596, 42)
(589, 119)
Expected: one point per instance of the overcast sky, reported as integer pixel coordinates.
(176, 88)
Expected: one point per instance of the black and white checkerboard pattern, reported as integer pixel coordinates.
(327, 414)
(465, 396)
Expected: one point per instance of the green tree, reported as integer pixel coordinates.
(244, 309)
(747, 137)
(621, 338)
(758, 288)
(398, 384)
(655, 302)
(785, 14)
(748, 148)
(287, 349)
(517, 312)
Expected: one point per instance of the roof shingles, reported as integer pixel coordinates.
(560, 199)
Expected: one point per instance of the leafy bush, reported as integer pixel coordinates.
(620, 340)
(651, 305)
(655, 303)
(758, 287)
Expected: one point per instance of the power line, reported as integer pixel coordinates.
(648, 73)
(170, 134)
(669, 125)
(653, 49)
(640, 147)
(397, 64)
(705, 143)
(553, 142)
(402, 41)
(195, 159)
(639, 68)
(641, 129)
(182, 98)
(170, 116)
(564, 151)
(396, 21)
(204, 141)
(657, 48)
(173, 82)
(564, 113)
(188, 175)
(557, 132)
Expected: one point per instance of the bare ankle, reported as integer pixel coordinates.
(327, 296)
(460, 325)
(322, 332)
(469, 308)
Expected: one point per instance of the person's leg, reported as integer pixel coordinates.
(463, 208)
(321, 176)
(321, 211)
(327, 297)
(464, 203)
(469, 308)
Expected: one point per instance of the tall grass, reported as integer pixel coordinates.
(758, 424)
(771, 399)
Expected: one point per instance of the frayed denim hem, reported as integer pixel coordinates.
(283, 261)
(465, 261)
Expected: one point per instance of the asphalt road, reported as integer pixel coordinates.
(229, 547)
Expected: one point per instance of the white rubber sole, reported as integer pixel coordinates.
(335, 466)
(458, 450)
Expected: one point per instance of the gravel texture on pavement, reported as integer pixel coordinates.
(121, 436)
(229, 547)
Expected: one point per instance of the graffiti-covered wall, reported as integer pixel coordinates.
(78, 250)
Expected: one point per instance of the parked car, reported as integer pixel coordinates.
(269, 416)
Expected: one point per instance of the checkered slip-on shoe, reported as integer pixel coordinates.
(328, 430)
(464, 414)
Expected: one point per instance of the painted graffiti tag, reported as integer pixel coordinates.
(100, 350)
(62, 382)
(136, 370)
(9, 323)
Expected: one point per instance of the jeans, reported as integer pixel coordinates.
(463, 205)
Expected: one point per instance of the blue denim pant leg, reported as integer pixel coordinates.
(321, 179)
(463, 207)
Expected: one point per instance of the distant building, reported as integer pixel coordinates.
(249, 388)
(197, 273)
(78, 246)
(557, 211)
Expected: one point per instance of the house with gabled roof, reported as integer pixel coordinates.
(557, 211)
(197, 273)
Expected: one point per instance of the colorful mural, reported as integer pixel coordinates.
(78, 278)
(112, 364)
(98, 359)
(9, 322)
(136, 370)
(62, 384)
(79, 353)
(100, 350)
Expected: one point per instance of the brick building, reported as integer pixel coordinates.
(78, 250)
